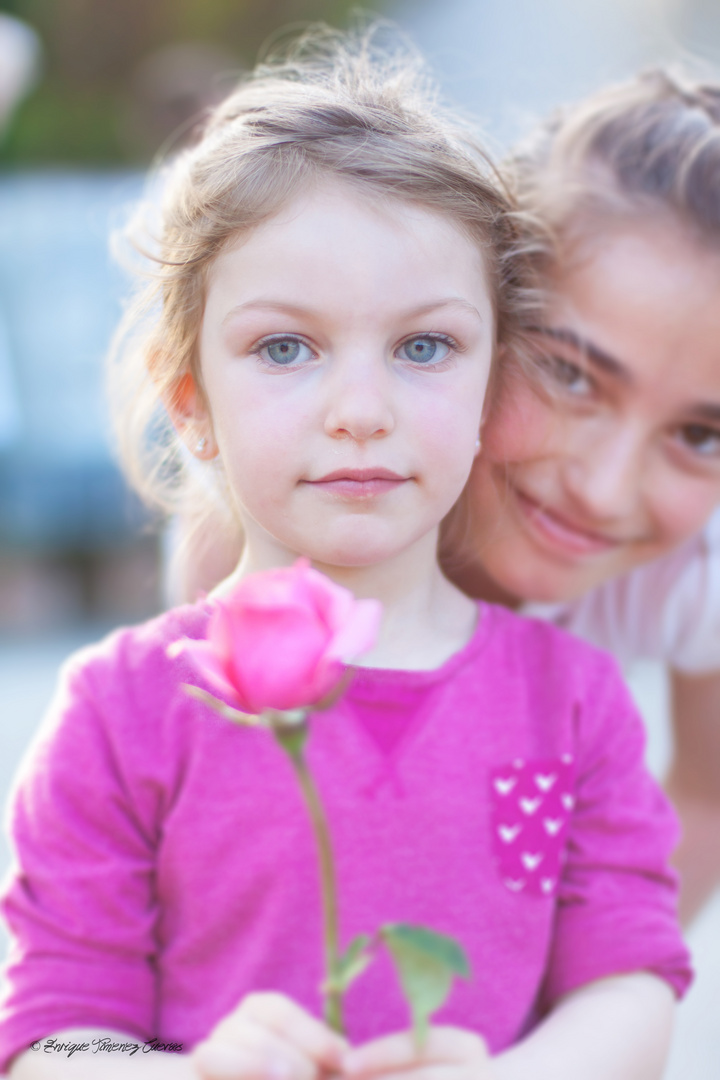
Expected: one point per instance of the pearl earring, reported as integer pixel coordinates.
(477, 445)
(201, 444)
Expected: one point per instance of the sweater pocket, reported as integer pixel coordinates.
(531, 805)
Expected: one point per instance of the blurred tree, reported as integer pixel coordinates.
(94, 50)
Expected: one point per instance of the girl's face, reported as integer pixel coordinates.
(345, 351)
(613, 457)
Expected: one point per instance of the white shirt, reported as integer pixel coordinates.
(666, 610)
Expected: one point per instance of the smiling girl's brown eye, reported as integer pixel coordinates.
(700, 438)
(565, 374)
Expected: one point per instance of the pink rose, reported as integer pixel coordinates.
(281, 639)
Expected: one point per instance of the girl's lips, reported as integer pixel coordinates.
(560, 534)
(358, 483)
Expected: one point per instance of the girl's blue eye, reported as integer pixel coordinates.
(284, 351)
(424, 350)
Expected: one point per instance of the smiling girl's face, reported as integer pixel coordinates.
(345, 350)
(612, 457)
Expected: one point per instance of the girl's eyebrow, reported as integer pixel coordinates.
(449, 301)
(609, 364)
(266, 305)
(707, 411)
(262, 304)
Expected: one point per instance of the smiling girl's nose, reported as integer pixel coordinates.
(603, 472)
(359, 400)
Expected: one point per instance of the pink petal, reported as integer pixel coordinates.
(280, 639)
(273, 590)
(274, 655)
(359, 633)
(337, 604)
(204, 659)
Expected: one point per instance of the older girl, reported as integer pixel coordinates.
(597, 489)
(336, 271)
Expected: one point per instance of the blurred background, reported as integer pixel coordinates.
(90, 90)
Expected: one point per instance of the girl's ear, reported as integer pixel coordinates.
(189, 414)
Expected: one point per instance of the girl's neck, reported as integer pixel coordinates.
(424, 623)
(472, 578)
(426, 619)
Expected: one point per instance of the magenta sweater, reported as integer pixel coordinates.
(166, 867)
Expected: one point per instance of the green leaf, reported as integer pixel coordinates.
(426, 963)
(353, 961)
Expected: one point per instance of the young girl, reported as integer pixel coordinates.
(597, 488)
(337, 271)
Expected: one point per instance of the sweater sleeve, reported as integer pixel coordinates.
(617, 898)
(80, 901)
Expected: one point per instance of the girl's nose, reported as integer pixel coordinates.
(359, 405)
(604, 474)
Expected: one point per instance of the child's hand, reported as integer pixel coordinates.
(448, 1054)
(269, 1037)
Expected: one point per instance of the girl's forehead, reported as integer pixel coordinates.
(637, 267)
(654, 235)
(645, 296)
(331, 234)
(339, 201)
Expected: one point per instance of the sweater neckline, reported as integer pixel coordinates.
(427, 676)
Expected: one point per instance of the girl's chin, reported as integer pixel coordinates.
(355, 560)
(362, 548)
(347, 557)
(540, 581)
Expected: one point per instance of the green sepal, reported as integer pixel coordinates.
(291, 735)
(287, 717)
(426, 963)
(352, 963)
(225, 710)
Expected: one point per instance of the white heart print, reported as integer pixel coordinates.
(531, 801)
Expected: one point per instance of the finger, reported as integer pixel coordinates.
(295, 1025)
(475, 1070)
(220, 1060)
(259, 1050)
(282, 1053)
(444, 1045)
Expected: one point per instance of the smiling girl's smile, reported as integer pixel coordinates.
(561, 535)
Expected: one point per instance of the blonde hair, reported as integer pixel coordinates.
(348, 106)
(649, 146)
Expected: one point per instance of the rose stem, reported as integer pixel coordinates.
(328, 888)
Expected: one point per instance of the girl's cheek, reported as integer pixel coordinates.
(681, 506)
(520, 425)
